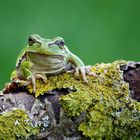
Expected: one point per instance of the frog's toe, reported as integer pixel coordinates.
(41, 76)
(89, 72)
(70, 71)
(33, 79)
(82, 71)
(77, 69)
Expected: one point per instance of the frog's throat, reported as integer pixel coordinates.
(48, 64)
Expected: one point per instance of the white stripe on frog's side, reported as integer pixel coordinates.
(20, 60)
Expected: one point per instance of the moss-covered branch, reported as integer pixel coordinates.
(106, 108)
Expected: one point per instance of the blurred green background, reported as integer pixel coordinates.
(96, 30)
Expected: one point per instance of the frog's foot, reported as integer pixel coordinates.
(33, 79)
(83, 70)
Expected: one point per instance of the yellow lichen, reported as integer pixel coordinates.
(16, 124)
(110, 112)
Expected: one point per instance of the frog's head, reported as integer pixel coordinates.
(45, 46)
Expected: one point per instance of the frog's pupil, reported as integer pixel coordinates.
(60, 43)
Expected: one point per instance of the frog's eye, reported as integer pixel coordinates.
(60, 43)
(32, 40)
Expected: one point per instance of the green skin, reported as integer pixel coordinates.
(47, 56)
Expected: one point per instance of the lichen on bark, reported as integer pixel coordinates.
(109, 110)
(16, 124)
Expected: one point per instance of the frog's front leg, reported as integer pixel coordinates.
(80, 68)
(84, 70)
(24, 75)
(36, 76)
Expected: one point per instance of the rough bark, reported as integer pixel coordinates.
(49, 116)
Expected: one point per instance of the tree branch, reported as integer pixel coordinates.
(64, 107)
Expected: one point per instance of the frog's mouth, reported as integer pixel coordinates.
(44, 59)
(41, 56)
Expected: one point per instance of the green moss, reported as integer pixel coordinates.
(110, 111)
(15, 124)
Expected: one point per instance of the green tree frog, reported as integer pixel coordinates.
(44, 57)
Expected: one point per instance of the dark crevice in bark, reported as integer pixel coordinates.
(131, 74)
